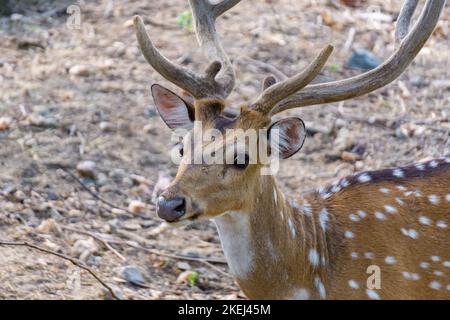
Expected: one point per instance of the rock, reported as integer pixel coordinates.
(363, 59)
(51, 195)
(106, 126)
(80, 70)
(83, 248)
(136, 206)
(19, 196)
(5, 123)
(39, 120)
(131, 225)
(344, 140)
(183, 266)
(47, 226)
(408, 130)
(87, 169)
(350, 156)
(133, 275)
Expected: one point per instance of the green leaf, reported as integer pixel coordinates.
(193, 278)
(335, 68)
(184, 20)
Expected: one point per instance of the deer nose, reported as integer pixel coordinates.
(171, 209)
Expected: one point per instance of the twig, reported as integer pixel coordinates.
(74, 261)
(206, 261)
(95, 195)
(264, 67)
(96, 237)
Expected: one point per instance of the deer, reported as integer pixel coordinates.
(318, 245)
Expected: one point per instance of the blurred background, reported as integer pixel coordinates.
(77, 122)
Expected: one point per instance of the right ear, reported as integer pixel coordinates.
(175, 112)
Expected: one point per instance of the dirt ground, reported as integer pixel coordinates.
(73, 95)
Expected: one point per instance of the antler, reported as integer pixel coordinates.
(411, 44)
(219, 78)
(276, 92)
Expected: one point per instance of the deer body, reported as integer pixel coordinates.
(392, 223)
(321, 245)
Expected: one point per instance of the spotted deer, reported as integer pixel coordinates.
(319, 245)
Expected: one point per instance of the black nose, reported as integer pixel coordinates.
(171, 209)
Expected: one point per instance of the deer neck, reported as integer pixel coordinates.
(271, 236)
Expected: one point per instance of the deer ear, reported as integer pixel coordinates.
(291, 134)
(175, 112)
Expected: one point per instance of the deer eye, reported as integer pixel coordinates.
(241, 161)
(181, 151)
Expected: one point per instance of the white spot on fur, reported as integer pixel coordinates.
(400, 201)
(424, 265)
(323, 219)
(425, 220)
(384, 190)
(349, 234)
(354, 217)
(354, 255)
(353, 284)
(306, 208)
(434, 199)
(372, 294)
(447, 197)
(362, 214)
(390, 209)
(314, 258)
(420, 166)
(369, 255)
(301, 294)
(275, 196)
(379, 215)
(320, 287)
(442, 224)
(234, 232)
(438, 273)
(401, 188)
(434, 164)
(398, 173)
(435, 258)
(448, 287)
(406, 275)
(415, 276)
(390, 260)
(364, 178)
(292, 228)
(345, 183)
(435, 285)
(446, 264)
(410, 233)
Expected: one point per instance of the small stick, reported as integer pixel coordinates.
(74, 261)
(96, 196)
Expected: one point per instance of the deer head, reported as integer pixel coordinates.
(210, 190)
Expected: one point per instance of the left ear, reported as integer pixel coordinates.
(291, 136)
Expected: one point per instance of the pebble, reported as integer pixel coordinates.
(131, 225)
(83, 248)
(183, 266)
(136, 206)
(80, 70)
(87, 169)
(133, 275)
(41, 121)
(5, 123)
(46, 226)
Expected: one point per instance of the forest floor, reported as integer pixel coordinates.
(70, 95)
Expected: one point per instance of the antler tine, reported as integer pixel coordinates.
(404, 19)
(205, 15)
(370, 81)
(219, 78)
(275, 93)
(179, 76)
